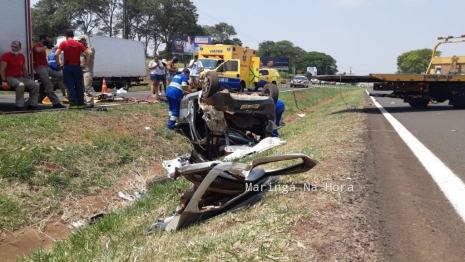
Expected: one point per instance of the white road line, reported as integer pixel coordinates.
(451, 185)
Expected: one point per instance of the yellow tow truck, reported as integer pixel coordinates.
(444, 80)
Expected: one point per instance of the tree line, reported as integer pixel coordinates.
(298, 57)
(154, 22)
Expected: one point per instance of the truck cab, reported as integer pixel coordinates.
(236, 66)
(268, 75)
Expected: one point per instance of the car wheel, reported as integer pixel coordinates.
(272, 91)
(210, 84)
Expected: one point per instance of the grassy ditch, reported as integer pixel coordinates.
(64, 156)
(50, 158)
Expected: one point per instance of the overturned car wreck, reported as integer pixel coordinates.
(225, 186)
(219, 123)
(214, 120)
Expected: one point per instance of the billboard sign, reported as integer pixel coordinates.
(187, 45)
(312, 70)
(274, 62)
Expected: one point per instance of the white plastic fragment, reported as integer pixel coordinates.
(126, 196)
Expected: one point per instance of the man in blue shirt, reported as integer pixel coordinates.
(53, 64)
(178, 86)
(279, 107)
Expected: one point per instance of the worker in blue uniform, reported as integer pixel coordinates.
(176, 90)
(279, 107)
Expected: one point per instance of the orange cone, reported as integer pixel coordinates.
(46, 100)
(104, 86)
(431, 101)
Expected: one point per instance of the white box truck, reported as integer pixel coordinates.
(120, 61)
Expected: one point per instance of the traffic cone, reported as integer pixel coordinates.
(46, 101)
(430, 101)
(104, 86)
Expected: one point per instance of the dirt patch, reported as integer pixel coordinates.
(20, 242)
(48, 231)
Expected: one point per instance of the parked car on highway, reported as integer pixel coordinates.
(299, 80)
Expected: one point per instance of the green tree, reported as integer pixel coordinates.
(172, 18)
(265, 49)
(50, 17)
(106, 12)
(325, 64)
(283, 48)
(223, 33)
(54, 16)
(84, 16)
(415, 61)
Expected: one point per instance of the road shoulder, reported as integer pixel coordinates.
(414, 219)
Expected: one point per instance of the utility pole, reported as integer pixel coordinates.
(125, 21)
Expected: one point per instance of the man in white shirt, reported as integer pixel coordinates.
(157, 70)
(196, 68)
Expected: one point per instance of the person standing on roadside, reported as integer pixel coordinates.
(174, 94)
(156, 75)
(72, 70)
(13, 72)
(196, 67)
(43, 69)
(164, 86)
(171, 69)
(88, 73)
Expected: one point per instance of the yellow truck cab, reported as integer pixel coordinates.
(268, 75)
(236, 66)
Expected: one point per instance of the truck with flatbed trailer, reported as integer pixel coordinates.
(444, 79)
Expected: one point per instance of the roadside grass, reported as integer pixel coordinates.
(49, 157)
(266, 231)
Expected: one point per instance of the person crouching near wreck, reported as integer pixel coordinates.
(178, 86)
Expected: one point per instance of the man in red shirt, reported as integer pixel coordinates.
(72, 71)
(13, 70)
(42, 68)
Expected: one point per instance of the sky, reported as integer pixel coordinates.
(364, 36)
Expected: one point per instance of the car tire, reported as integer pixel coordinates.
(272, 91)
(210, 84)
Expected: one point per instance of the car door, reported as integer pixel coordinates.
(228, 75)
(264, 78)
